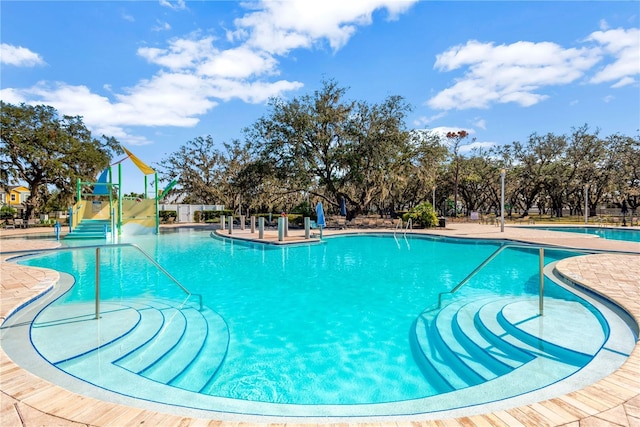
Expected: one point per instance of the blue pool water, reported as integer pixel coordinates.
(629, 235)
(327, 324)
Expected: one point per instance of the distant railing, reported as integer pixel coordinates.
(107, 246)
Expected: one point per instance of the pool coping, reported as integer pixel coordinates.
(27, 399)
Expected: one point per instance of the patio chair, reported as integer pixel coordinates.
(9, 223)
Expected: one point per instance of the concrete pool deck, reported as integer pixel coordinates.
(28, 400)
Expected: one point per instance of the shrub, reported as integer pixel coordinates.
(214, 216)
(304, 209)
(164, 215)
(7, 211)
(422, 214)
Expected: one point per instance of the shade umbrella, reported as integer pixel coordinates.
(343, 207)
(320, 214)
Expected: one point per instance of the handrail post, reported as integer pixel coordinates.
(307, 227)
(541, 289)
(97, 283)
(281, 229)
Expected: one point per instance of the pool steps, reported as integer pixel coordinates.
(181, 355)
(469, 347)
(143, 358)
(470, 343)
(90, 229)
(157, 340)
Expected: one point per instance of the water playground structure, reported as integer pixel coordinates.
(101, 210)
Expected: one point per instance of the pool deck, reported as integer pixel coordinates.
(26, 400)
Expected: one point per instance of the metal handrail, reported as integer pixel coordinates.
(408, 227)
(97, 248)
(521, 246)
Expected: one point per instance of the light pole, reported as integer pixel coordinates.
(502, 173)
(586, 203)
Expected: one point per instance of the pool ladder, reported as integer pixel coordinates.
(409, 226)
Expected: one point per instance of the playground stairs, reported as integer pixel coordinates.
(90, 229)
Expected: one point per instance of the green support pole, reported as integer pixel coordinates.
(110, 189)
(78, 191)
(119, 198)
(146, 187)
(157, 205)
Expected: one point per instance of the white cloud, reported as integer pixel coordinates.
(280, 26)
(11, 96)
(423, 120)
(604, 25)
(481, 123)
(516, 73)
(608, 98)
(173, 4)
(162, 26)
(239, 63)
(624, 46)
(181, 53)
(477, 145)
(508, 73)
(625, 81)
(19, 56)
(252, 92)
(194, 74)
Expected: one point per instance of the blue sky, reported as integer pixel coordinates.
(156, 74)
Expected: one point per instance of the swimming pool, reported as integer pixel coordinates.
(629, 235)
(339, 328)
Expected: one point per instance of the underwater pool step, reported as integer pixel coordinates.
(454, 324)
(149, 322)
(467, 346)
(183, 352)
(172, 330)
(201, 371)
(435, 361)
(522, 326)
(456, 349)
(186, 351)
(51, 330)
(522, 320)
(472, 372)
(154, 339)
(477, 344)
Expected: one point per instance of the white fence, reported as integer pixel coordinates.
(185, 212)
